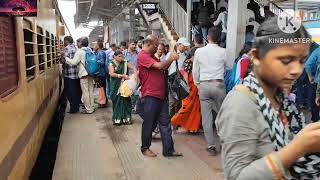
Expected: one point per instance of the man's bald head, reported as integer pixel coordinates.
(150, 44)
(150, 39)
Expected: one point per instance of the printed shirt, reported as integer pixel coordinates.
(70, 71)
(149, 75)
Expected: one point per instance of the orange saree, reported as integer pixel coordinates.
(189, 115)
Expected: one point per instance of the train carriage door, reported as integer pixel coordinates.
(8, 57)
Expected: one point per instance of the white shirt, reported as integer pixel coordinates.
(172, 68)
(221, 20)
(209, 63)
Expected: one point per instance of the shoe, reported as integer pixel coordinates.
(117, 124)
(86, 112)
(73, 112)
(174, 154)
(149, 153)
(212, 151)
(128, 123)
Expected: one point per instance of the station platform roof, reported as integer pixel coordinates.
(95, 10)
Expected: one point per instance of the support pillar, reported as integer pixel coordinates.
(189, 6)
(132, 30)
(295, 6)
(236, 28)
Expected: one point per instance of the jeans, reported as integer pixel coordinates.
(223, 39)
(72, 92)
(204, 31)
(153, 111)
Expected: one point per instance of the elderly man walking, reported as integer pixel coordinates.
(153, 101)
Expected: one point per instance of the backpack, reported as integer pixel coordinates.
(91, 65)
(232, 76)
(229, 76)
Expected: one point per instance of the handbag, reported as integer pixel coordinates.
(179, 86)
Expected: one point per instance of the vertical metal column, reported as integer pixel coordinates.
(132, 18)
(189, 6)
(295, 7)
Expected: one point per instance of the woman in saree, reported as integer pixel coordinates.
(262, 133)
(188, 117)
(121, 106)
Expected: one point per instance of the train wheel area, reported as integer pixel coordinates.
(90, 147)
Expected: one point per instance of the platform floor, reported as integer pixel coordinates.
(91, 148)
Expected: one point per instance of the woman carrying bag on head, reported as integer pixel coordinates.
(264, 135)
(121, 106)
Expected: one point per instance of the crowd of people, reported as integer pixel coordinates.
(263, 133)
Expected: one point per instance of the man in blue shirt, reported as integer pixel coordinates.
(312, 69)
(131, 55)
(101, 59)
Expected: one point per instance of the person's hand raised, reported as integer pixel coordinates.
(174, 56)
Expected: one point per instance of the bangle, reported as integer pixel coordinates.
(274, 167)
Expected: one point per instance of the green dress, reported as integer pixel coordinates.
(121, 105)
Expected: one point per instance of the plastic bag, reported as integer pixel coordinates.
(128, 87)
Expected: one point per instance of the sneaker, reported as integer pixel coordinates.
(212, 151)
(86, 112)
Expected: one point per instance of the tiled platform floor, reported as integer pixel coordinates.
(91, 148)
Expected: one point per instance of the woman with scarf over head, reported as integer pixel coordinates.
(263, 135)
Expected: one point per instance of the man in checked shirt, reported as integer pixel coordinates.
(72, 89)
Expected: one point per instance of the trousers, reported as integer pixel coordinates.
(154, 111)
(72, 92)
(87, 98)
(211, 96)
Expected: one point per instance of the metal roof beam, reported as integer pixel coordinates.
(103, 13)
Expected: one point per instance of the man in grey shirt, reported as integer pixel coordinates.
(209, 65)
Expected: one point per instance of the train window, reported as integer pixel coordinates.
(29, 47)
(8, 57)
(41, 47)
(48, 49)
(52, 49)
(61, 44)
(56, 48)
